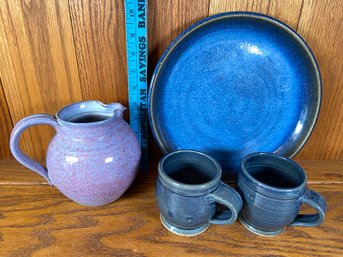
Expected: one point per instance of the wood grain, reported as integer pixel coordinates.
(320, 24)
(39, 70)
(99, 33)
(167, 19)
(5, 126)
(323, 171)
(219, 6)
(286, 11)
(37, 220)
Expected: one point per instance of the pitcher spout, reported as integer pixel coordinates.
(117, 108)
(89, 113)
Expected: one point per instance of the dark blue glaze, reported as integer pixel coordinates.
(188, 190)
(273, 188)
(233, 84)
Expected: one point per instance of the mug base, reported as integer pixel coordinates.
(259, 231)
(183, 232)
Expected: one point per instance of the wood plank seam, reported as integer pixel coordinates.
(75, 52)
(300, 13)
(7, 125)
(208, 8)
(268, 8)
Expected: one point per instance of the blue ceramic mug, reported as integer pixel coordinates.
(273, 188)
(188, 190)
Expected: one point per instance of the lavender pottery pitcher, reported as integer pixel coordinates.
(93, 157)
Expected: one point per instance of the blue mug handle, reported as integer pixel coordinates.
(228, 197)
(316, 201)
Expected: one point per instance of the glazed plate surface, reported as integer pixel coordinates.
(233, 84)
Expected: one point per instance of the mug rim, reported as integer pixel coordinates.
(193, 189)
(267, 189)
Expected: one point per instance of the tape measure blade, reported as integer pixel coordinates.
(137, 52)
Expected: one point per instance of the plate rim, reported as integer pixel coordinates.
(292, 151)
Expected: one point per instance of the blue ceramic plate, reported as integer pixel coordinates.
(233, 84)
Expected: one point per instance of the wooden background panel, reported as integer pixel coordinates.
(99, 34)
(5, 126)
(57, 52)
(321, 24)
(219, 6)
(40, 73)
(167, 19)
(286, 11)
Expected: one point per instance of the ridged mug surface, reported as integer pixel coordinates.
(273, 188)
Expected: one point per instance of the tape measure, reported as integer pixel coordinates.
(136, 22)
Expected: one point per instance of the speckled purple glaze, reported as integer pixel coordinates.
(92, 163)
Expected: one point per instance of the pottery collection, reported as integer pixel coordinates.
(213, 121)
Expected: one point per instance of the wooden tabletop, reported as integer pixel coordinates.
(37, 220)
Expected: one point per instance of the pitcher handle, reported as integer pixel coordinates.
(18, 129)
